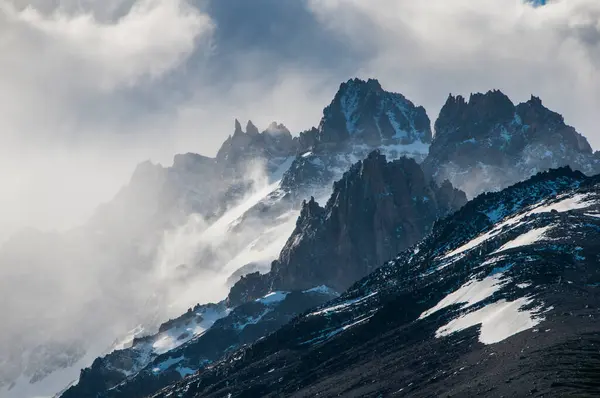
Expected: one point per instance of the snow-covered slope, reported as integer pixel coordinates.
(501, 299)
(190, 343)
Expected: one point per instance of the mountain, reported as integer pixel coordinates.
(165, 233)
(154, 235)
(377, 209)
(361, 117)
(188, 343)
(276, 142)
(500, 299)
(364, 112)
(487, 143)
(220, 222)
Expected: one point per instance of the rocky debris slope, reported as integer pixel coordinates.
(487, 143)
(501, 299)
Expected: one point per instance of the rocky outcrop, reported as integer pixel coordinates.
(487, 143)
(363, 112)
(251, 146)
(377, 209)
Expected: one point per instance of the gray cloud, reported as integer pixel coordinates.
(80, 103)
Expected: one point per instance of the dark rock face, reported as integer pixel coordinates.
(501, 299)
(363, 110)
(488, 143)
(376, 210)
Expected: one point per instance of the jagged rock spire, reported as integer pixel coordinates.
(251, 129)
(238, 127)
(376, 210)
(363, 112)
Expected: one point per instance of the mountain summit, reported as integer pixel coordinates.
(242, 147)
(363, 112)
(487, 143)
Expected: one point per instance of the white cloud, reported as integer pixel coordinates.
(152, 38)
(70, 132)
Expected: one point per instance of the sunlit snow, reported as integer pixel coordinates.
(272, 298)
(345, 304)
(469, 294)
(498, 320)
(528, 238)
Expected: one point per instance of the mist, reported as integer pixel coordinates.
(90, 89)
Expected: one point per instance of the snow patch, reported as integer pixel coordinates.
(343, 305)
(528, 238)
(178, 335)
(498, 321)
(323, 290)
(469, 294)
(575, 202)
(272, 298)
(579, 201)
(164, 365)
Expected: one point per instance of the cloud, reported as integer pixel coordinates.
(91, 88)
(71, 93)
(428, 49)
(95, 87)
(61, 61)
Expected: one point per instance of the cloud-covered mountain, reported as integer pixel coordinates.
(170, 229)
(210, 221)
(500, 299)
(376, 210)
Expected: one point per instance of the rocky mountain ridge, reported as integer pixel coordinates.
(501, 299)
(396, 193)
(487, 143)
(376, 210)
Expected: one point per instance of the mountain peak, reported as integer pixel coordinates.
(275, 142)
(535, 100)
(376, 210)
(488, 143)
(238, 128)
(359, 84)
(363, 112)
(251, 128)
(277, 129)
